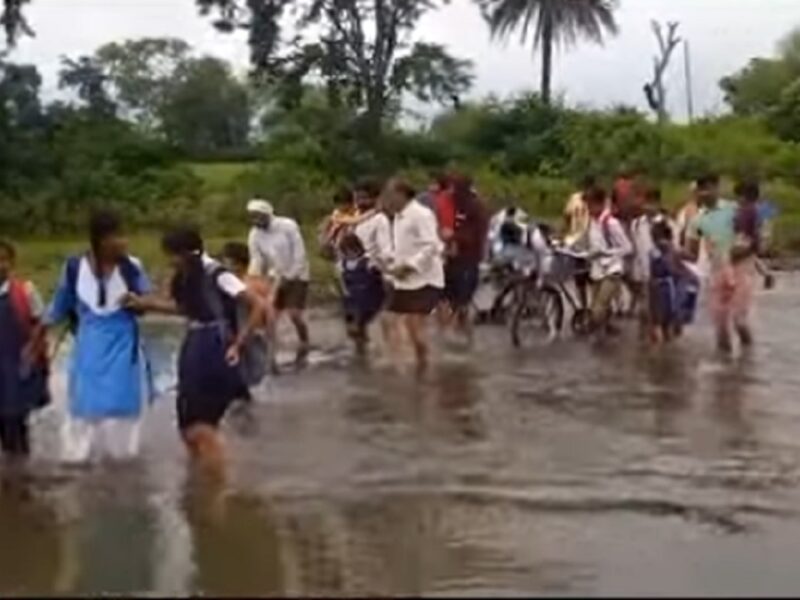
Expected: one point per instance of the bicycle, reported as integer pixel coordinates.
(493, 301)
(540, 296)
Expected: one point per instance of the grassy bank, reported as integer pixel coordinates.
(41, 260)
(227, 186)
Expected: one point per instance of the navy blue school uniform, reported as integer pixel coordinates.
(663, 291)
(23, 387)
(673, 295)
(364, 290)
(207, 384)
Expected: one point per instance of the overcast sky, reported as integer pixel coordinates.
(724, 35)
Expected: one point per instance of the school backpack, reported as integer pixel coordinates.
(21, 306)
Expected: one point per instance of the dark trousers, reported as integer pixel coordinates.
(15, 436)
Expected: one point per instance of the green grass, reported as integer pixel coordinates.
(219, 177)
(41, 260)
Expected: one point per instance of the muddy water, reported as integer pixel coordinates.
(573, 470)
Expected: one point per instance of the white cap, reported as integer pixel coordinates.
(256, 205)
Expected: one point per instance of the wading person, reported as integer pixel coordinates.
(364, 269)
(109, 378)
(278, 253)
(417, 270)
(23, 357)
(256, 355)
(608, 247)
(729, 289)
(576, 213)
(576, 225)
(641, 231)
(343, 216)
(465, 251)
(672, 286)
(209, 377)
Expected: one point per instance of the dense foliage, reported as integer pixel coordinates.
(164, 134)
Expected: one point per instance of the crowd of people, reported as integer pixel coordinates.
(400, 258)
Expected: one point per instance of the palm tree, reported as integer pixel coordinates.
(550, 23)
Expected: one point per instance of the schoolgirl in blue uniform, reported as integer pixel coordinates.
(209, 378)
(23, 357)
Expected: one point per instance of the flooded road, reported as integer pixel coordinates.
(574, 470)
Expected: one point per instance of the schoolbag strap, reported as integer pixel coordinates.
(211, 292)
(130, 274)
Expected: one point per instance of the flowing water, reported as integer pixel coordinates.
(570, 470)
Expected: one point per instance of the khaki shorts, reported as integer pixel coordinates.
(291, 294)
(603, 294)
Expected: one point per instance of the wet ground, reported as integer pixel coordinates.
(570, 470)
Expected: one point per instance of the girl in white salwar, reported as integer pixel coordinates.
(109, 383)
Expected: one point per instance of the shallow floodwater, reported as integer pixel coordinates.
(568, 470)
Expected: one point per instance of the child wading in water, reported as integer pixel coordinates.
(209, 378)
(257, 354)
(364, 291)
(608, 248)
(673, 287)
(109, 376)
(23, 357)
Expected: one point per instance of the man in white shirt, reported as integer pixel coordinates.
(278, 253)
(417, 266)
(608, 248)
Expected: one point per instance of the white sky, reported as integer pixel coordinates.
(724, 35)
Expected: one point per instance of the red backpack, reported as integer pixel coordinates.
(20, 304)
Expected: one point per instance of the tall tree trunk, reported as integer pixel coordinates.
(547, 58)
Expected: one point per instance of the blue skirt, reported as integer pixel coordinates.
(365, 296)
(207, 384)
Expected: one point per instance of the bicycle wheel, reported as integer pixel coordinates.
(582, 321)
(502, 306)
(538, 316)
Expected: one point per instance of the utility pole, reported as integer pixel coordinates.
(689, 87)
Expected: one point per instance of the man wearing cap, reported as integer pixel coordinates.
(278, 253)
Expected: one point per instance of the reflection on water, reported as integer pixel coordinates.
(569, 470)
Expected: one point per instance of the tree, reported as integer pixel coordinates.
(13, 21)
(656, 91)
(140, 73)
(757, 88)
(86, 76)
(363, 54)
(550, 23)
(206, 109)
(21, 122)
(19, 95)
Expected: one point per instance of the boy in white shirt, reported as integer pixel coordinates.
(608, 247)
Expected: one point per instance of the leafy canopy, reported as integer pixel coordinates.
(360, 49)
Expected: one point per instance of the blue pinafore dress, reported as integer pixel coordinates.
(207, 384)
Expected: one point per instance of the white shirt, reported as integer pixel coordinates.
(613, 250)
(227, 282)
(279, 251)
(643, 245)
(416, 244)
(375, 234)
(500, 217)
